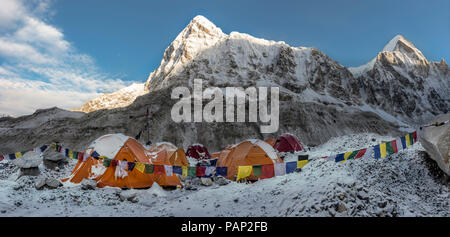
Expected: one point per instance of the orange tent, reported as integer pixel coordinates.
(271, 141)
(119, 147)
(249, 152)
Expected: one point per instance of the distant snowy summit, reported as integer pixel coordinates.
(397, 83)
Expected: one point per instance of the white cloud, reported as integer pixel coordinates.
(10, 12)
(40, 67)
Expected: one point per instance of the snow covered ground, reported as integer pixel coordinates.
(404, 184)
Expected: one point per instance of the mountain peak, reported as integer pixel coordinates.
(202, 24)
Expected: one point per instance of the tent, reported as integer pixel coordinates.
(198, 151)
(287, 143)
(161, 146)
(271, 141)
(120, 147)
(249, 152)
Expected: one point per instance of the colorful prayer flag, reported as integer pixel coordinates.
(210, 171)
(70, 154)
(340, 157)
(414, 135)
(390, 148)
(280, 169)
(106, 162)
(257, 170)
(301, 163)
(12, 156)
(383, 149)
(403, 139)
(168, 169)
(360, 153)
(192, 171)
(377, 153)
(200, 172)
(140, 167)
(131, 166)
(150, 169)
(221, 171)
(267, 171)
(243, 172)
(408, 141)
(177, 170)
(18, 154)
(291, 166)
(95, 154)
(185, 171)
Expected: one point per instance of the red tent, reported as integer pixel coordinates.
(198, 151)
(287, 142)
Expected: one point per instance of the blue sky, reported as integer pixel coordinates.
(130, 37)
(62, 53)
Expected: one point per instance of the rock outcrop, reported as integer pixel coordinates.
(436, 141)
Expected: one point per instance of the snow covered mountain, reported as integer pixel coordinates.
(118, 99)
(203, 51)
(403, 83)
(319, 98)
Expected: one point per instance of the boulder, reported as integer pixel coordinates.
(88, 184)
(436, 141)
(40, 183)
(34, 171)
(52, 183)
(52, 155)
(221, 180)
(129, 195)
(206, 181)
(30, 159)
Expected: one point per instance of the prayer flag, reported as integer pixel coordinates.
(403, 139)
(267, 171)
(291, 166)
(390, 148)
(222, 171)
(369, 153)
(210, 171)
(149, 168)
(18, 154)
(376, 150)
(131, 166)
(200, 171)
(301, 163)
(114, 163)
(398, 142)
(279, 168)
(414, 135)
(360, 153)
(185, 171)
(168, 169)
(12, 156)
(213, 162)
(383, 149)
(43, 148)
(340, 157)
(106, 162)
(177, 170)
(95, 154)
(70, 154)
(257, 170)
(243, 172)
(192, 171)
(408, 142)
(140, 167)
(1, 157)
